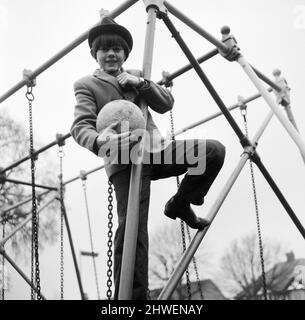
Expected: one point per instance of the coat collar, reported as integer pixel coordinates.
(129, 94)
(107, 78)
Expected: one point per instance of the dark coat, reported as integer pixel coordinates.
(93, 92)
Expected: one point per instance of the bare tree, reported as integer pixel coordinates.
(241, 271)
(14, 145)
(166, 249)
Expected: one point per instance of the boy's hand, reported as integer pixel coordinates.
(106, 134)
(126, 79)
(109, 139)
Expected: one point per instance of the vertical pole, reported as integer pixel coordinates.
(132, 218)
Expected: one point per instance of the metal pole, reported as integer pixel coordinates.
(30, 184)
(262, 128)
(85, 173)
(132, 218)
(36, 153)
(23, 223)
(243, 139)
(220, 45)
(22, 202)
(188, 67)
(123, 7)
(189, 253)
(290, 116)
(72, 249)
(14, 265)
(274, 107)
(181, 16)
(279, 194)
(213, 116)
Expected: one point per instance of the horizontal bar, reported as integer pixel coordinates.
(5, 210)
(85, 174)
(36, 153)
(188, 67)
(191, 126)
(30, 184)
(24, 222)
(215, 115)
(89, 253)
(124, 6)
(220, 45)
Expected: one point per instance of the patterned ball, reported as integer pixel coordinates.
(128, 114)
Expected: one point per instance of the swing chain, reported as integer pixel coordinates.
(3, 265)
(188, 284)
(61, 154)
(109, 243)
(35, 253)
(195, 267)
(260, 241)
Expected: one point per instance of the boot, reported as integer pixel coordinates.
(176, 207)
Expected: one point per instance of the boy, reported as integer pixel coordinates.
(110, 44)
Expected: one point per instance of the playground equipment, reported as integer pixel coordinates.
(229, 49)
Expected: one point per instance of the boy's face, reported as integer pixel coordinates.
(111, 59)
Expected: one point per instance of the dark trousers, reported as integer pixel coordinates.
(193, 189)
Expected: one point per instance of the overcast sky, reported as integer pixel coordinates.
(271, 34)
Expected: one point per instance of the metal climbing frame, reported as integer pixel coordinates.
(227, 48)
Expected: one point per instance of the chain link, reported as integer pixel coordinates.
(260, 241)
(35, 252)
(61, 154)
(3, 265)
(195, 267)
(109, 243)
(182, 227)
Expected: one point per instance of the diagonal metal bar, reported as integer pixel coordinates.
(6, 210)
(220, 45)
(215, 115)
(189, 253)
(192, 248)
(23, 275)
(120, 9)
(24, 222)
(63, 207)
(36, 153)
(188, 67)
(279, 194)
(176, 35)
(295, 136)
